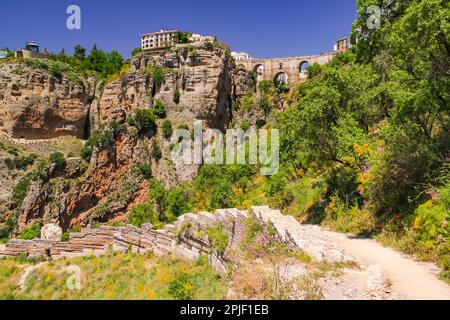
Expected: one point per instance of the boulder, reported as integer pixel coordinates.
(51, 232)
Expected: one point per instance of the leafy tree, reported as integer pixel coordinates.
(177, 203)
(80, 52)
(135, 52)
(142, 214)
(183, 37)
(159, 195)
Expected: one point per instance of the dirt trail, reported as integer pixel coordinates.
(410, 280)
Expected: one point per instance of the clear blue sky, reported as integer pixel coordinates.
(264, 28)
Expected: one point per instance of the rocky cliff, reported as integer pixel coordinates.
(202, 77)
(36, 105)
(198, 83)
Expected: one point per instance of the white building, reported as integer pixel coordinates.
(241, 56)
(157, 40)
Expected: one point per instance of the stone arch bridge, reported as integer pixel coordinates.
(290, 69)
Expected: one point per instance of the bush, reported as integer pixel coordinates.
(181, 287)
(209, 46)
(142, 214)
(219, 240)
(177, 203)
(159, 110)
(66, 234)
(58, 159)
(144, 169)
(97, 139)
(245, 126)
(156, 151)
(177, 96)
(20, 191)
(144, 120)
(158, 75)
(31, 232)
(21, 163)
(167, 129)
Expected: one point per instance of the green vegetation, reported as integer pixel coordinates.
(21, 163)
(143, 214)
(219, 239)
(183, 37)
(143, 120)
(58, 160)
(115, 277)
(177, 96)
(31, 232)
(167, 129)
(159, 110)
(156, 151)
(158, 74)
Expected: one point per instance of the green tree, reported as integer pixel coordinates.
(80, 52)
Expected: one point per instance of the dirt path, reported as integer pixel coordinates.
(410, 280)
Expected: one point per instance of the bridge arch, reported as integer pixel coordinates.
(303, 66)
(281, 77)
(259, 69)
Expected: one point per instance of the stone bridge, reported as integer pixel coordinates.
(290, 69)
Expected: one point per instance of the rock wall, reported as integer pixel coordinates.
(187, 238)
(37, 105)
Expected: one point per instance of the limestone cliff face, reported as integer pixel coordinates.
(202, 77)
(110, 186)
(36, 105)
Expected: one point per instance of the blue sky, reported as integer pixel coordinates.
(264, 28)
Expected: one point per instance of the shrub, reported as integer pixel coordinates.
(21, 163)
(144, 120)
(219, 240)
(209, 46)
(156, 151)
(167, 129)
(245, 126)
(158, 74)
(158, 195)
(31, 232)
(265, 86)
(142, 214)
(177, 96)
(21, 189)
(66, 234)
(58, 159)
(159, 110)
(181, 287)
(177, 203)
(97, 139)
(144, 169)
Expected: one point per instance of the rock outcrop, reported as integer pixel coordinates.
(36, 105)
(202, 77)
(78, 195)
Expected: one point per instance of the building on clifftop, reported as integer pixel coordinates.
(31, 50)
